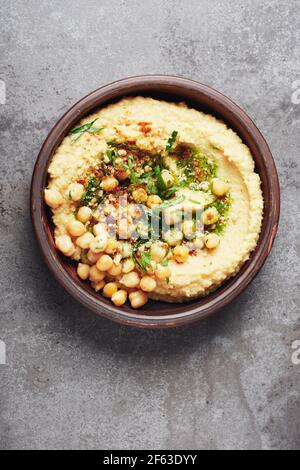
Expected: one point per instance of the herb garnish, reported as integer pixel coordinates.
(171, 141)
(78, 131)
(90, 192)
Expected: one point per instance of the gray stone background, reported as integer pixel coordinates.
(75, 381)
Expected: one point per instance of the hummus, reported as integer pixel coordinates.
(154, 200)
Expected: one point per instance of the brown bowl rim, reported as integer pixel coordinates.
(147, 84)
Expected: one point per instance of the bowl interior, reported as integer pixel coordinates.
(199, 97)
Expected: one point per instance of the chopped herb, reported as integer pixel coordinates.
(70, 195)
(134, 177)
(111, 155)
(125, 145)
(165, 263)
(91, 192)
(171, 141)
(78, 131)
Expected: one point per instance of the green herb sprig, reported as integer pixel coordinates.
(171, 141)
(89, 127)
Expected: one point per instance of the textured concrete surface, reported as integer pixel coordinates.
(74, 381)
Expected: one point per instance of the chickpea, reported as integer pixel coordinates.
(99, 243)
(167, 178)
(75, 191)
(212, 241)
(124, 229)
(76, 228)
(147, 284)
(128, 266)
(112, 246)
(109, 184)
(198, 243)
(104, 263)
(65, 245)
(157, 252)
(134, 211)
(95, 275)
(210, 216)
(115, 270)
(162, 272)
(189, 229)
(173, 237)
(53, 198)
(98, 285)
(119, 298)
(130, 280)
(110, 289)
(93, 257)
(153, 201)
(83, 271)
(138, 299)
(181, 254)
(85, 240)
(126, 250)
(140, 195)
(84, 214)
(122, 174)
(100, 229)
(122, 152)
(219, 187)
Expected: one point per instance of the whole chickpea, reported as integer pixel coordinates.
(115, 270)
(173, 237)
(53, 198)
(104, 263)
(110, 289)
(100, 229)
(65, 245)
(212, 241)
(162, 272)
(138, 299)
(157, 252)
(153, 201)
(219, 188)
(83, 271)
(210, 216)
(122, 174)
(119, 298)
(95, 275)
(188, 228)
(112, 246)
(198, 243)
(99, 243)
(140, 195)
(75, 191)
(130, 280)
(124, 229)
(85, 240)
(128, 266)
(98, 285)
(93, 257)
(84, 214)
(181, 254)
(76, 228)
(148, 284)
(109, 184)
(167, 178)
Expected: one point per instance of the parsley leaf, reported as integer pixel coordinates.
(171, 141)
(78, 131)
